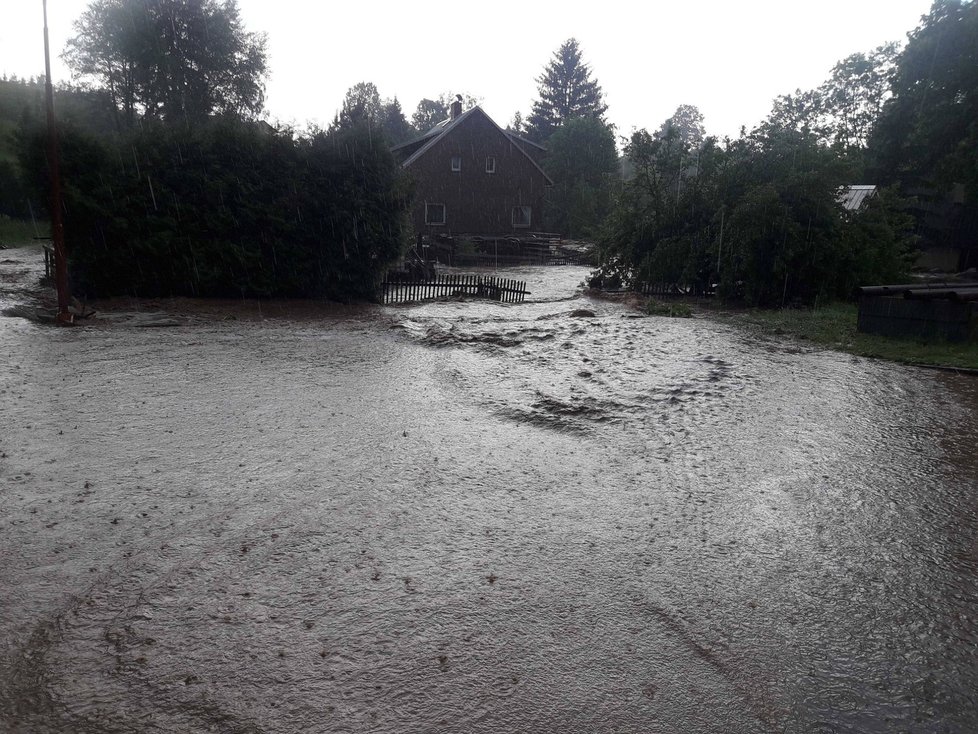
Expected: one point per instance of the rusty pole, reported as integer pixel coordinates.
(57, 226)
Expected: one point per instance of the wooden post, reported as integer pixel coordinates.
(57, 226)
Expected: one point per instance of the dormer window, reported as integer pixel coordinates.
(490, 164)
(456, 163)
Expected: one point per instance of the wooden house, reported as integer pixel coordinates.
(474, 178)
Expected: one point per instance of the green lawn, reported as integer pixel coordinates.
(834, 327)
(16, 232)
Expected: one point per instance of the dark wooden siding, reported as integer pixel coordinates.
(477, 202)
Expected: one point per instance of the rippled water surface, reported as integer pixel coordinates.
(477, 517)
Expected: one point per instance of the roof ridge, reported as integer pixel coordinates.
(451, 126)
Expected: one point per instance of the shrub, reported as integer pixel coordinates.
(229, 208)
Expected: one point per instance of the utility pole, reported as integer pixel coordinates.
(54, 169)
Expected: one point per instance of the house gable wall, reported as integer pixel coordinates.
(476, 202)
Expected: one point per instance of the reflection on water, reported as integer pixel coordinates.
(480, 517)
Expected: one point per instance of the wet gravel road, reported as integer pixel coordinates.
(474, 517)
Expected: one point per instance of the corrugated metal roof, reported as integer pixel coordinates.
(852, 197)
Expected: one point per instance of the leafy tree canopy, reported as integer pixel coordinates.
(759, 216)
(583, 162)
(928, 131)
(428, 114)
(566, 91)
(178, 60)
(432, 111)
(844, 109)
(363, 107)
(687, 121)
(853, 96)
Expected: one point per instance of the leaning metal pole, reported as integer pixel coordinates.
(57, 226)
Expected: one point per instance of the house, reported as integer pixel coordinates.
(474, 178)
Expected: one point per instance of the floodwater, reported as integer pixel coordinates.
(477, 517)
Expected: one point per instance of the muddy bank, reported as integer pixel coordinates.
(478, 517)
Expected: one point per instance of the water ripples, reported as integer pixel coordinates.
(476, 517)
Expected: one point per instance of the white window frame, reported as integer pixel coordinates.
(528, 220)
(427, 217)
(490, 164)
(456, 163)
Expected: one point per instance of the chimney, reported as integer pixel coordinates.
(456, 108)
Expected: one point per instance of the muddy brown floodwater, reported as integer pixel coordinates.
(475, 517)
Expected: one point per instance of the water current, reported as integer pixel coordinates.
(471, 517)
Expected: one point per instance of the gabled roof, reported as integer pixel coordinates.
(852, 197)
(424, 136)
(520, 139)
(442, 129)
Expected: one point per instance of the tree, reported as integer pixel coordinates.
(852, 98)
(583, 162)
(178, 60)
(927, 131)
(432, 111)
(394, 123)
(566, 91)
(687, 121)
(516, 125)
(843, 110)
(801, 112)
(363, 107)
(668, 215)
(760, 216)
(428, 114)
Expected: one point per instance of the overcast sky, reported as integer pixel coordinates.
(729, 58)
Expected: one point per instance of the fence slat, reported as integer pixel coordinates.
(402, 288)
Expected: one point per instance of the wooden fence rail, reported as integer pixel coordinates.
(669, 290)
(402, 288)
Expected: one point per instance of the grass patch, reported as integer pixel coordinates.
(17, 232)
(675, 309)
(834, 326)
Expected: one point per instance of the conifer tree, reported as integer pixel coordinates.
(566, 90)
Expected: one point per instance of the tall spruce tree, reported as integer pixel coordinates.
(566, 90)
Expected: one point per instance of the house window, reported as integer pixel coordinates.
(490, 164)
(434, 213)
(456, 163)
(521, 216)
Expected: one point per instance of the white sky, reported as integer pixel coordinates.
(730, 59)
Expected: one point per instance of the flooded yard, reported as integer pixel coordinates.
(478, 517)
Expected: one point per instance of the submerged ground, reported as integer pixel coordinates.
(475, 517)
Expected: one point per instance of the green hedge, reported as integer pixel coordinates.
(229, 209)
